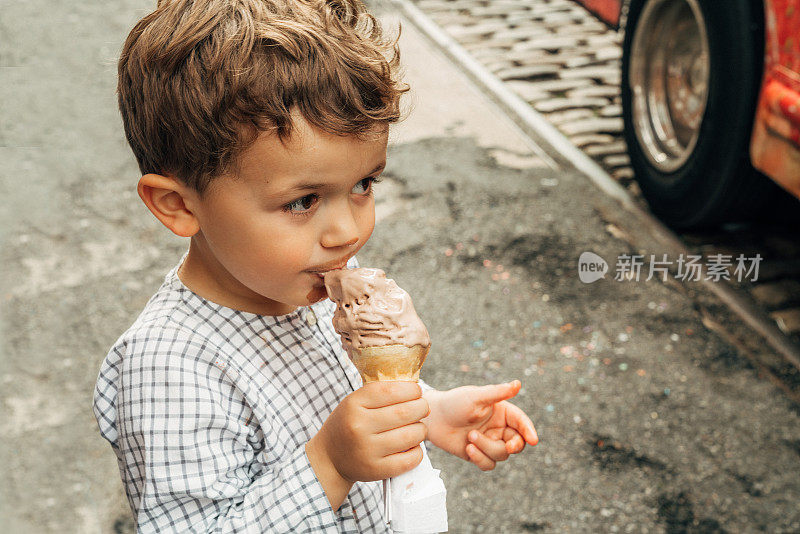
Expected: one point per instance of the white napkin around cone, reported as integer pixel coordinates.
(415, 501)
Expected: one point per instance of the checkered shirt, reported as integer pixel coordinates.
(208, 410)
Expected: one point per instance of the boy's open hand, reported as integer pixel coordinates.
(374, 432)
(476, 423)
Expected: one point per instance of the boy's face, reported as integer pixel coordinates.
(291, 211)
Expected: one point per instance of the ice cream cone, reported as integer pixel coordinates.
(389, 362)
(386, 340)
(379, 328)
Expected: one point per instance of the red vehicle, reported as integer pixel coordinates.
(710, 91)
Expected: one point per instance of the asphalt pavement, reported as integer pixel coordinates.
(649, 422)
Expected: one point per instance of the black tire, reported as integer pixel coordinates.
(716, 183)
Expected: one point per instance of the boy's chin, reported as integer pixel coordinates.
(316, 294)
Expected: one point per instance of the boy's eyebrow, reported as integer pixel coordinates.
(310, 185)
(379, 168)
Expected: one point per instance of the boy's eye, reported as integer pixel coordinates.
(365, 186)
(303, 204)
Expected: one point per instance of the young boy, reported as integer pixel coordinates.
(260, 127)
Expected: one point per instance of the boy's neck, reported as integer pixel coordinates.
(208, 278)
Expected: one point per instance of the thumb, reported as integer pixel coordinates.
(491, 394)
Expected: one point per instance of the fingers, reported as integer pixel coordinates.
(516, 419)
(398, 415)
(488, 395)
(514, 441)
(379, 394)
(400, 439)
(479, 458)
(401, 462)
(492, 448)
(494, 433)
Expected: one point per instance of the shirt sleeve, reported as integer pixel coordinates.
(192, 461)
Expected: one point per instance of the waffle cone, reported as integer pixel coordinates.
(389, 362)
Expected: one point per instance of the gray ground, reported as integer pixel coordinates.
(648, 421)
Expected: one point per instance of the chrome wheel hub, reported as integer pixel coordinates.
(668, 77)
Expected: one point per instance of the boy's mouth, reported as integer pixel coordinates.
(320, 270)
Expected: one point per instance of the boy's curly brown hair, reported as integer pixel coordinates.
(200, 80)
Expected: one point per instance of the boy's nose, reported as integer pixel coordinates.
(342, 229)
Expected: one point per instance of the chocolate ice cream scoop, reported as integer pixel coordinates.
(378, 325)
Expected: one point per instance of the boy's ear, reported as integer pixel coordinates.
(167, 198)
